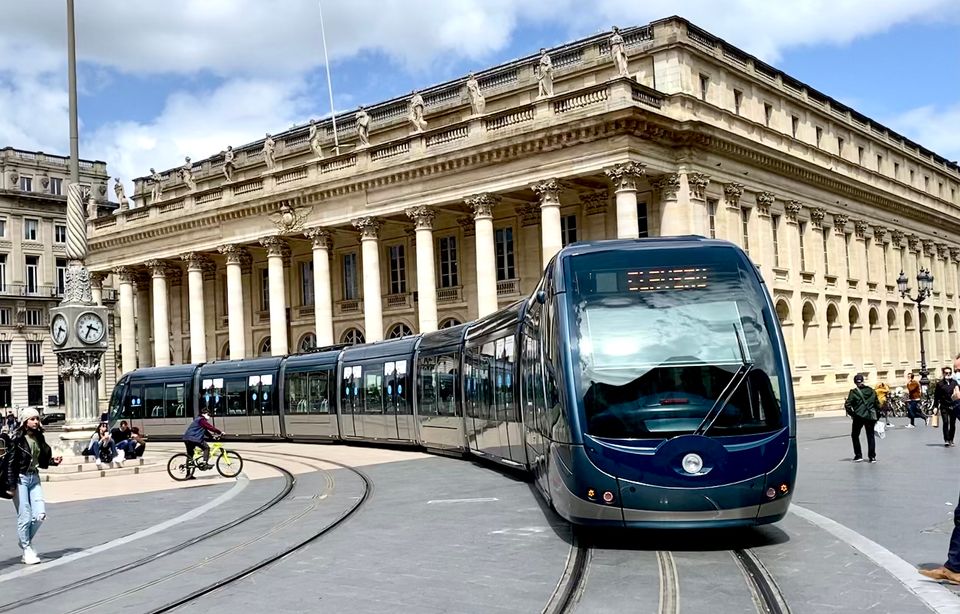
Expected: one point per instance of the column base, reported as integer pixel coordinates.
(72, 443)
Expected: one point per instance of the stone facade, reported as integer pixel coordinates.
(33, 263)
(699, 138)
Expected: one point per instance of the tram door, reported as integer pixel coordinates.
(262, 411)
(396, 402)
(350, 402)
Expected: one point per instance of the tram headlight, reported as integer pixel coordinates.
(692, 464)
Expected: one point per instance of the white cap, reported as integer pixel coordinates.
(27, 413)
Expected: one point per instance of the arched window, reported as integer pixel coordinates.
(225, 351)
(874, 319)
(352, 336)
(853, 317)
(937, 322)
(450, 323)
(399, 330)
(809, 315)
(891, 319)
(783, 311)
(307, 342)
(907, 320)
(265, 346)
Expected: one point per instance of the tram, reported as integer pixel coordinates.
(644, 383)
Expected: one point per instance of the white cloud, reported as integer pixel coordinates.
(935, 127)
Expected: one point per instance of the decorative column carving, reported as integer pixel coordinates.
(426, 272)
(624, 177)
(673, 217)
(764, 202)
(196, 263)
(792, 209)
(896, 238)
(698, 183)
(860, 228)
(732, 192)
(816, 217)
(236, 256)
(551, 235)
(482, 205)
(369, 228)
(277, 253)
(322, 290)
(161, 313)
(128, 328)
(840, 224)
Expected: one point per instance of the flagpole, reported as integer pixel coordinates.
(326, 62)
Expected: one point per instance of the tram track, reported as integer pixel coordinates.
(767, 595)
(289, 482)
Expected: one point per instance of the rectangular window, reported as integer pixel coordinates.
(913, 176)
(704, 86)
(31, 230)
(886, 253)
(33, 274)
(795, 125)
(264, 289)
(896, 170)
(4, 352)
(879, 163)
(775, 229)
(860, 155)
(34, 353)
(745, 229)
(61, 275)
(940, 189)
(60, 233)
(737, 101)
(26, 183)
(6, 316)
(642, 228)
(866, 248)
(568, 229)
(840, 146)
(449, 275)
(56, 186)
(712, 216)
(398, 270)
(826, 251)
(35, 390)
(846, 254)
(801, 229)
(306, 283)
(503, 241)
(819, 135)
(33, 317)
(926, 183)
(767, 113)
(3, 272)
(351, 282)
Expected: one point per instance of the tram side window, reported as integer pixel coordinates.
(427, 401)
(116, 400)
(235, 403)
(446, 375)
(351, 402)
(320, 392)
(373, 390)
(267, 406)
(507, 356)
(174, 401)
(489, 409)
(213, 400)
(298, 394)
(470, 373)
(396, 380)
(133, 404)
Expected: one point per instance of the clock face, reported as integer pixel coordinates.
(58, 329)
(90, 328)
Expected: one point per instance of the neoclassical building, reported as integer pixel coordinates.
(33, 261)
(424, 212)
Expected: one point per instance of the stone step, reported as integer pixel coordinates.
(89, 474)
(90, 465)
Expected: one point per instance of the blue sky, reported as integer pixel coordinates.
(187, 77)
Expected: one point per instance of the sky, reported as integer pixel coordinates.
(162, 80)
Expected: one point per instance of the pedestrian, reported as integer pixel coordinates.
(943, 397)
(882, 391)
(862, 406)
(950, 571)
(28, 454)
(913, 404)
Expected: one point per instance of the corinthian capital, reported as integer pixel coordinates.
(124, 274)
(668, 185)
(860, 228)
(158, 268)
(422, 216)
(196, 261)
(482, 204)
(764, 202)
(698, 183)
(879, 232)
(625, 175)
(321, 238)
(276, 246)
(96, 278)
(896, 237)
(235, 254)
(792, 209)
(368, 226)
(548, 191)
(732, 193)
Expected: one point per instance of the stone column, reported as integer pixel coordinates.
(277, 252)
(624, 177)
(482, 205)
(672, 216)
(322, 290)
(732, 192)
(210, 309)
(426, 269)
(143, 322)
(696, 203)
(762, 234)
(369, 228)
(198, 333)
(235, 255)
(551, 233)
(128, 329)
(161, 317)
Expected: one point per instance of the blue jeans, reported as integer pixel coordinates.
(30, 508)
(913, 411)
(95, 450)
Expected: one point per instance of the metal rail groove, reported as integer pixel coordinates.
(767, 595)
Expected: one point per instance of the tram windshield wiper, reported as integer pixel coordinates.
(732, 386)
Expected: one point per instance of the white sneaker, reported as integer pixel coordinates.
(30, 556)
(910, 426)
(99, 464)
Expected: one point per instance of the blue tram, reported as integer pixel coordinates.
(645, 383)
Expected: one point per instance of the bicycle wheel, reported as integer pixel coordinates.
(180, 467)
(229, 463)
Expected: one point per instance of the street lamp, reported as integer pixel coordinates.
(924, 290)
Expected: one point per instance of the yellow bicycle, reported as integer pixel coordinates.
(228, 463)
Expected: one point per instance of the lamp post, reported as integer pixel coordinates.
(924, 290)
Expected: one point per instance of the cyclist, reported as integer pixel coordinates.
(195, 437)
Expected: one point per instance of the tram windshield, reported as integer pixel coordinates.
(671, 342)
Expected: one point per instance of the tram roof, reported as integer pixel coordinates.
(585, 247)
(443, 339)
(150, 373)
(382, 349)
(313, 359)
(227, 367)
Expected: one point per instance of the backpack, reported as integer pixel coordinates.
(105, 455)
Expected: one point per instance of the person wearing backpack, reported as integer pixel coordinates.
(28, 454)
(864, 408)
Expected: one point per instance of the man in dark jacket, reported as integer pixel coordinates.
(943, 396)
(28, 454)
(864, 408)
(195, 437)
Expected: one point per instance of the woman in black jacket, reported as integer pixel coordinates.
(28, 454)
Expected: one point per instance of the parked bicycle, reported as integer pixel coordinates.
(228, 463)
